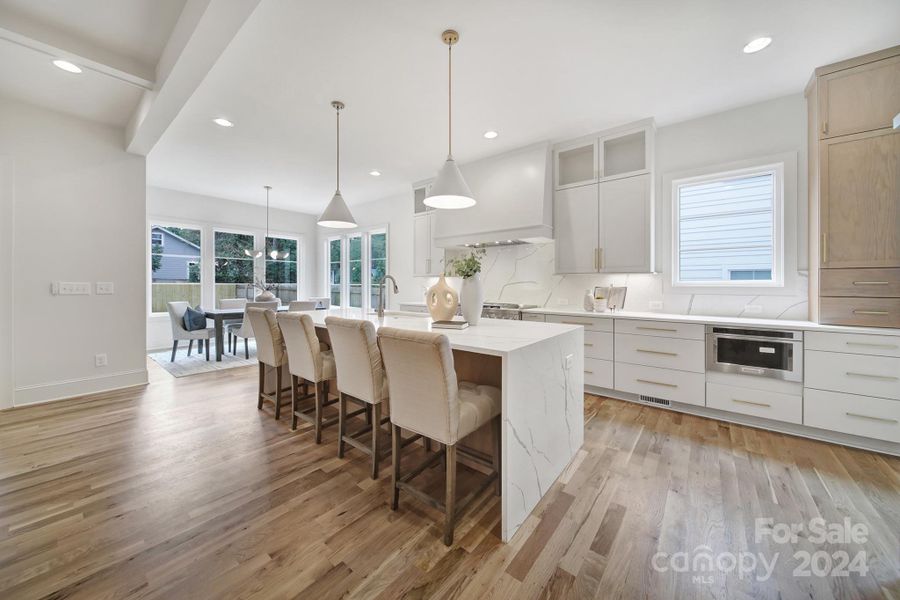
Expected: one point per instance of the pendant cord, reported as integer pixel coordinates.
(338, 161)
(449, 101)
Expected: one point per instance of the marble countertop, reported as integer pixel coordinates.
(714, 320)
(491, 336)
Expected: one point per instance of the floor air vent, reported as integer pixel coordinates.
(652, 400)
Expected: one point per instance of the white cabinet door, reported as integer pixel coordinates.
(435, 254)
(575, 229)
(626, 218)
(421, 244)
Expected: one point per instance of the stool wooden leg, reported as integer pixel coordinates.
(342, 423)
(428, 445)
(496, 427)
(321, 396)
(395, 465)
(294, 385)
(262, 385)
(277, 393)
(376, 429)
(450, 495)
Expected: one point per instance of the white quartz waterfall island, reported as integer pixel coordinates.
(540, 370)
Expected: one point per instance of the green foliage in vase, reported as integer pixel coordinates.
(468, 265)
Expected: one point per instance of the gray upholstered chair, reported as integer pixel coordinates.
(244, 329)
(176, 319)
(270, 352)
(232, 303)
(360, 378)
(297, 305)
(427, 399)
(310, 362)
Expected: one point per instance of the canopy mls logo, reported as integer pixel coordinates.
(703, 564)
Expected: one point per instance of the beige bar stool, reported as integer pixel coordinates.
(426, 399)
(269, 352)
(360, 378)
(309, 362)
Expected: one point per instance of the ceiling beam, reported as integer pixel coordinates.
(203, 31)
(59, 44)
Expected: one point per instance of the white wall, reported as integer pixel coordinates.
(525, 273)
(208, 213)
(77, 203)
(6, 250)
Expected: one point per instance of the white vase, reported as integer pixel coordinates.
(472, 299)
(442, 300)
(265, 296)
(588, 302)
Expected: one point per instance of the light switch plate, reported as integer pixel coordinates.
(562, 301)
(656, 305)
(105, 288)
(753, 309)
(100, 360)
(72, 288)
(569, 359)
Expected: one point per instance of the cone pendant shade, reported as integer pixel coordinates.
(336, 214)
(449, 189)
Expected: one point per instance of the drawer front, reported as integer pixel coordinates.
(533, 317)
(880, 283)
(857, 415)
(669, 353)
(589, 323)
(758, 403)
(672, 329)
(864, 312)
(853, 373)
(677, 386)
(598, 344)
(853, 343)
(598, 373)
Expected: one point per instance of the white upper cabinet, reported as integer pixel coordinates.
(626, 225)
(427, 258)
(576, 212)
(420, 192)
(576, 164)
(626, 154)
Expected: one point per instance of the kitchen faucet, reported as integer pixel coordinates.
(381, 293)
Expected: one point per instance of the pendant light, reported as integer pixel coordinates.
(336, 214)
(449, 189)
(258, 252)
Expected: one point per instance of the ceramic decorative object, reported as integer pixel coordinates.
(442, 300)
(265, 296)
(472, 299)
(588, 300)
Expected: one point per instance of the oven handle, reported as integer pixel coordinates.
(754, 338)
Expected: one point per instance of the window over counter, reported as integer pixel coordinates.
(356, 263)
(233, 268)
(727, 229)
(377, 263)
(333, 270)
(175, 273)
(282, 262)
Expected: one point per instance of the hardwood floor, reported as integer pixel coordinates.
(182, 489)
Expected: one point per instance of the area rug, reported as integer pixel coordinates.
(196, 363)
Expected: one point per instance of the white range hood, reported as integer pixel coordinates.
(514, 201)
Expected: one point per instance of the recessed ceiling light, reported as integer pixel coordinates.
(67, 66)
(757, 45)
(223, 122)
(375, 173)
(489, 135)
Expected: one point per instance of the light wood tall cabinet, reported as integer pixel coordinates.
(603, 202)
(854, 171)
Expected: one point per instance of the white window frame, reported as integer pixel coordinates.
(153, 222)
(299, 257)
(212, 259)
(366, 244)
(778, 249)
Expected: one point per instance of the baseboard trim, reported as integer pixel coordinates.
(68, 388)
(822, 435)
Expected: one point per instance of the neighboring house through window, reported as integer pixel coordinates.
(174, 266)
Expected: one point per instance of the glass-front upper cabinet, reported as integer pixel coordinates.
(624, 155)
(576, 164)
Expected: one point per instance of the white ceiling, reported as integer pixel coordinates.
(130, 32)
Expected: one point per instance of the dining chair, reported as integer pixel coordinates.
(231, 303)
(176, 319)
(427, 399)
(270, 353)
(298, 305)
(244, 329)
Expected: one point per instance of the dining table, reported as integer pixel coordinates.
(219, 316)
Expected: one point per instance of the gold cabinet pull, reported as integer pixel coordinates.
(861, 416)
(596, 265)
(575, 323)
(656, 329)
(671, 385)
(825, 126)
(871, 283)
(870, 345)
(751, 402)
(588, 345)
(870, 376)
(599, 258)
(824, 247)
(878, 313)
(586, 372)
(656, 352)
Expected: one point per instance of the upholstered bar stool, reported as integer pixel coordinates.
(360, 378)
(269, 352)
(309, 362)
(427, 399)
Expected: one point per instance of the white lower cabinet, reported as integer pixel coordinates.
(533, 317)
(598, 373)
(877, 418)
(598, 344)
(853, 373)
(757, 403)
(668, 384)
(589, 323)
(668, 353)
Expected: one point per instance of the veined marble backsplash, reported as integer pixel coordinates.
(525, 274)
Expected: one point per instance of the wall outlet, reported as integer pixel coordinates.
(656, 305)
(753, 309)
(100, 360)
(105, 288)
(569, 359)
(70, 288)
(562, 301)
